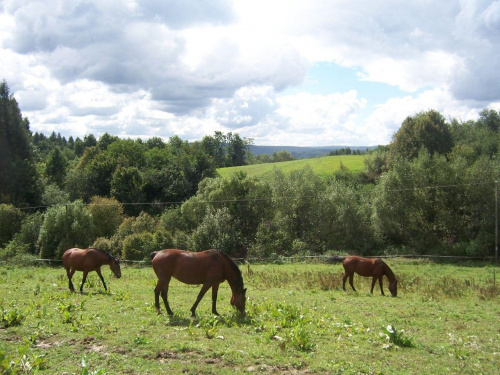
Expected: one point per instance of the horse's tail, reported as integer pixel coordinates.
(152, 255)
(334, 259)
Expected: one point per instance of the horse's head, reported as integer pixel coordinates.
(239, 300)
(115, 267)
(393, 288)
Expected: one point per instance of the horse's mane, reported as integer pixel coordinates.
(236, 269)
(102, 251)
(388, 272)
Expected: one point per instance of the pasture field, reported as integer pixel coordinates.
(299, 321)
(322, 166)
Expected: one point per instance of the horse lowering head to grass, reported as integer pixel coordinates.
(209, 268)
(368, 267)
(88, 260)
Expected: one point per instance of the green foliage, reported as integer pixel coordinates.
(30, 231)
(138, 246)
(10, 222)
(426, 130)
(19, 179)
(23, 362)
(107, 215)
(270, 240)
(11, 318)
(397, 337)
(53, 195)
(217, 231)
(65, 227)
(55, 167)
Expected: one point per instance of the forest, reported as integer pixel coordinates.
(432, 190)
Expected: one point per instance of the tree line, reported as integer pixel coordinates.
(430, 191)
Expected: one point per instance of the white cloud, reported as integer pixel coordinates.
(183, 67)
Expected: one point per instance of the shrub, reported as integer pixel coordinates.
(10, 222)
(107, 215)
(138, 246)
(106, 244)
(217, 231)
(65, 227)
(271, 239)
(30, 231)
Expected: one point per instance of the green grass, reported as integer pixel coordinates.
(323, 166)
(445, 320)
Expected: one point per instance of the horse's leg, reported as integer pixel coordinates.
(374, 280)
(157, 296)
(85, 273)
(70, 273)
(203, 290)
(215, 289)
(102, 278)
(380, 282)
(351, 277)
(344, 280)
(162, 288)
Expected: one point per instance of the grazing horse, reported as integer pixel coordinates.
(88, 260)
(209, 268)
(368, 267)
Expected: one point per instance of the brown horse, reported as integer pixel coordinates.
(88, 260)
(209, 268)
(369, 267)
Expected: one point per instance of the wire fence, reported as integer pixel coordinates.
(304, 258)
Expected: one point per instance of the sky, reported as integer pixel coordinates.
(278, 72)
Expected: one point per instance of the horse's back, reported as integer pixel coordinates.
(80, 259)
(186, 266)
(363, 266)
(68, 254)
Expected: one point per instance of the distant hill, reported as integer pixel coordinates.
(322, 166)
(304, 152)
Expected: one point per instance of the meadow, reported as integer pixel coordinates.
(322, 166)
(298, 321)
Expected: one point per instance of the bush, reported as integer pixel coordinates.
(65, 227)
(138, 246)
(107, 215)
(108, 245)
(217, 231)
(271, 239)
(10, 222)
(30, 231)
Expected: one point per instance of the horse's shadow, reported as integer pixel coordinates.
(180, 321)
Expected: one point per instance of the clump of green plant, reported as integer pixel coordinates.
(11, 318)
(396, 337)
(23, 363)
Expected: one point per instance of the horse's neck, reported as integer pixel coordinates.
(231, 277)
(388, 272)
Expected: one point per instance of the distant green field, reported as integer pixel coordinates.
(323, 166)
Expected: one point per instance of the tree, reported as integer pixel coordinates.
(427, 130)
(19, 181)
(126, 187)
(55, 167)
